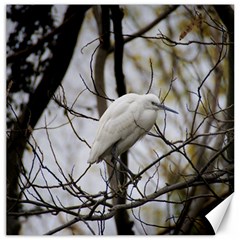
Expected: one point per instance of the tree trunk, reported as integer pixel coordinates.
(62, 54)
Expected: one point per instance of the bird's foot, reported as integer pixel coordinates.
(135, 178)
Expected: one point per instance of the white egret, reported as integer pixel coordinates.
(125, 121)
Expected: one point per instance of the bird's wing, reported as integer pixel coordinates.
(115, 124)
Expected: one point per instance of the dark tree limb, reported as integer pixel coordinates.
(161, 17)
(117, 16)
(38, 101)
(123, 223)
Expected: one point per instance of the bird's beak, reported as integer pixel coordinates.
(162, 107)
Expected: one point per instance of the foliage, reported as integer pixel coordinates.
(24, 73)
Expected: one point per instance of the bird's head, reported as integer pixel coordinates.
(151, 101)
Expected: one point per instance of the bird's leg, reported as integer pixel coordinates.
(114, 164)
(117, 159)
(114, 153)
